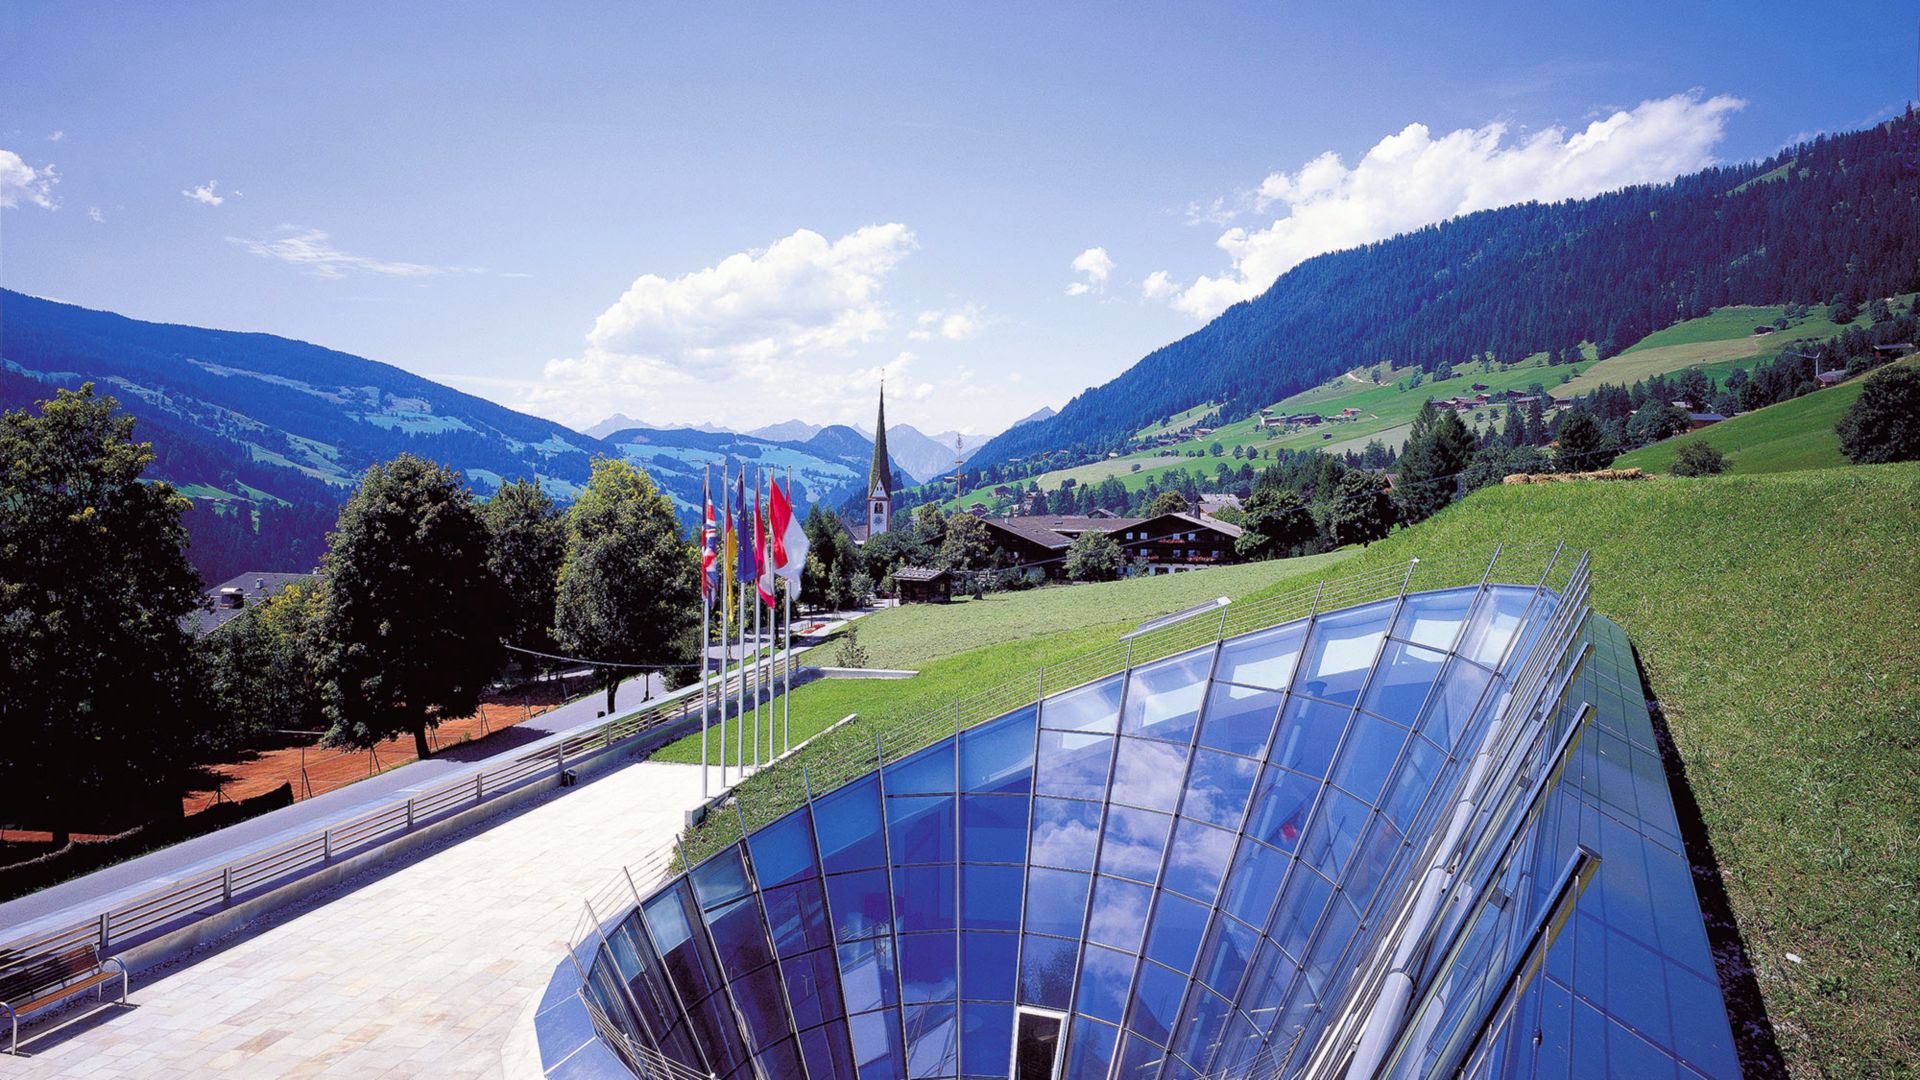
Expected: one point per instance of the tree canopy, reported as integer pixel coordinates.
(1276, 523)
(527, 543)
(414, 613)
(1884, 422)
(1094, 555)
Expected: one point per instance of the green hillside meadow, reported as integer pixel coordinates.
(1775, 618)
(1790, 435)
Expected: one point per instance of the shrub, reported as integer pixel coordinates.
(1699, 459)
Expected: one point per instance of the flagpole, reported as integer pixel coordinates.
(706, 614)
(759, 642)
(786, 697)
(726, 643)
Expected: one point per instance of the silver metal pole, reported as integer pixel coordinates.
(726, 643)
(786, 696)
(706, 625)
(759, 648)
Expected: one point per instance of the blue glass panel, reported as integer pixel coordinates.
(927, 967)
(847, 821)
(1254, 882)
(1224, 958)
(1264, 659)
(1494, 624)
(813, 986)
(1119, 914)
(876, 1045)
(1299, 911)
(1105, 977)
(987, 964)
(1198, 858)
(1340, 652)
(1203, 1024)
(866, 974)
(920, 828)
(1240, 1046)
(1418, 769)
(762, 1006)
(1368, 755)
(1094, 707)
(1371, 860)
(1089, 1051)
(667, 920)
(1336, 829)
(1046, 971)
(986, 1039)
(1239, 719)
(1451, 710)
(993, 828)
(783, 851)
(827, 1053)
(797, 916)
(1309, 732)
(1163, 698)
(1056, 901)
(1074, 764)
(923, 772)
(1434, 619)
(990, 897)
(860, 904)
(1295, 1013)
(924, 897)
(1149, 773)
(1155, 1002)
(1406, 674)
(1217, 787)
(1177, 927)
(1065, 833)
(1280, 807)
(1133, 842)
(739, 937)
(780, 1059)
(1273, 972)
(998, 755)
(1336, 930)
(933, 1041)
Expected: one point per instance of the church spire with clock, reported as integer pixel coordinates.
(880, 476)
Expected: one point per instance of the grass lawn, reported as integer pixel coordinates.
(1785, 437)
(1775, 616)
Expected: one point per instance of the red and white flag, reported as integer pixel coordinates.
(760, 550)
(789, 539)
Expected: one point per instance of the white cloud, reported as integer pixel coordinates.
(313, 250)
(1159, 286)
(774, 329)
(21, 182)
(957, 324)
(1097, 265)
(1412, 179)
(205, 193)
(56, 136)
(94, 213)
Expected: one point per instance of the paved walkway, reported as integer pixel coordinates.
(422, 973)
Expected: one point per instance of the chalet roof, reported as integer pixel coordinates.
(1705, 417)
(920, 573)
(252, 588)
(1828, 378)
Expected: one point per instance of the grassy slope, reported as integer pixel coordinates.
(962, 648)
(1796, 434)
(1775, 617)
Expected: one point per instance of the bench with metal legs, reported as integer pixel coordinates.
(34, 986)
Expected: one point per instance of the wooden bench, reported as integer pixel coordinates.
(33, 987)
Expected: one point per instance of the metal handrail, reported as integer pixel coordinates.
(153, 915)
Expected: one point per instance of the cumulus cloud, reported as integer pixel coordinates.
(95, 213)
(1159, 286)
(313, 251)
(1413, 178)
(958, 324)
(56, 135)
(1097, 265)
(205, 193)
(22, 183)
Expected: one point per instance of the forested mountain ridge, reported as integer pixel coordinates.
(1836, 216)
(268, 435)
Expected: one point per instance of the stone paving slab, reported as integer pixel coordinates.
(421, 973)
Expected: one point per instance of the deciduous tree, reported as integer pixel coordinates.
(1884, 423)
(1094, 555)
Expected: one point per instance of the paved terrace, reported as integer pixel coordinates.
(427, 971)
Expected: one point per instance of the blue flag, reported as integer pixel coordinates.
(748, 568)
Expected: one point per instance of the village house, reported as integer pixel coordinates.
(1167, 543)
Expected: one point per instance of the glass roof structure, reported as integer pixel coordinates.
(1426, 835)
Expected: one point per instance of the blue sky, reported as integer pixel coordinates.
(743, 213)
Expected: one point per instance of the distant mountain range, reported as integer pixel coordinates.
(1835, 216)
(268, 435)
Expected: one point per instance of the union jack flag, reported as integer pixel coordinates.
(709, 546)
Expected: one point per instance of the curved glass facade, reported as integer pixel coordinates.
(1407, 817)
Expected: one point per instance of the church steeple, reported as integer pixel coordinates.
(880, 476)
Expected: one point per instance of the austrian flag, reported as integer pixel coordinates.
(789, 539)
